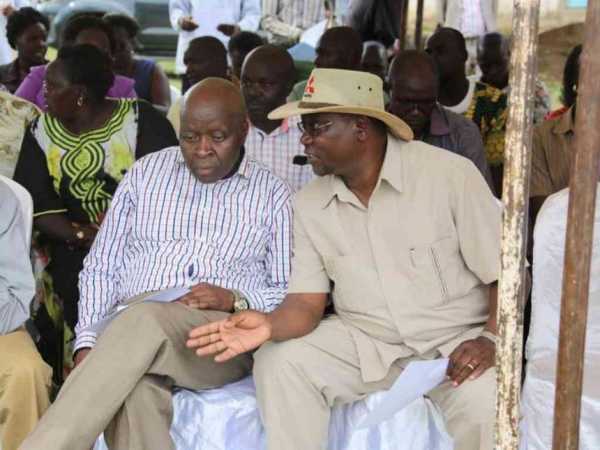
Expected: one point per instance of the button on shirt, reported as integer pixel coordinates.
(410, 271)
(17, 286)
(166, 229)
(277, 150)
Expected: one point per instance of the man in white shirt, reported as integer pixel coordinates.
(219, 18)
(202, 215)
(24, 378)
(267, 79)
(542, 344)
(473, 18)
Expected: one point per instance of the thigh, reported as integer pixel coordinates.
(327, 358)
(167, 325)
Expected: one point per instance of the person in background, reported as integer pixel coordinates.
(151, 81)
(374, 60)
(26, 32)
(238, 48)
(15, 116)
(569, 83)
(205, 57)
(554, 142)
(219, 18)
(267, 79)
(25, 379)
(286, 20)
(473, 18)
(338, 48)
(84, 29)
(483, 104)
(74, 156)
(415, 84)
(376, 20)
(224, 231)
(493, 59)
(7, 7)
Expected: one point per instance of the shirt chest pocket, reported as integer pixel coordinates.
(438, 272)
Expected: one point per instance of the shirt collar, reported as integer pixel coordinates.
(391, 173)
(284, 128)
(565, 124)
(244, 170)
(438, 123)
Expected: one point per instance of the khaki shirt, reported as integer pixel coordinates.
(553, 152)
(408, 274)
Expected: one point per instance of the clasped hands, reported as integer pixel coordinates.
(471, 359)
(187, 23)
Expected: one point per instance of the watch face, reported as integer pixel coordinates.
(240, 304)
(80, 235)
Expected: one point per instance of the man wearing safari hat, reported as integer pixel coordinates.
(405, 238)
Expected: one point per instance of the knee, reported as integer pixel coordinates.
(145, 313)
(475, 400)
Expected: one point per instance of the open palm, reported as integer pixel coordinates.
(228, 338)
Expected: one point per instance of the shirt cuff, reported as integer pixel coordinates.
(255, 300)
(85, 339)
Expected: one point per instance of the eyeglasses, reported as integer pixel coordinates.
(314, 129)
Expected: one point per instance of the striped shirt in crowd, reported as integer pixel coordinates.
(277, 150)
(288, 18)
(166, 229)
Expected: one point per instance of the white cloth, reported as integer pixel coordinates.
(463, 106)
(209, 14)
(228, 419)
(450, 13)
(472, 21)
(6, 52)
(542, 345)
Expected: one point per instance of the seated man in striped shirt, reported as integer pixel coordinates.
(203, 215)
(267, 79)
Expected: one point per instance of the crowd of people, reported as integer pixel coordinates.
(348, 220)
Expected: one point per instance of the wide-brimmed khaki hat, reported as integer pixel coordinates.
(344, 91)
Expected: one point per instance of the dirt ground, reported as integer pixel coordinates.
(554, 47)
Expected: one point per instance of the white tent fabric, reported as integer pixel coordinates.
(228, 419)
(542, 345)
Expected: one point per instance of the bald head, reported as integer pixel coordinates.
(339, 48)
(415, 83)
(213, 128)
(205, 57)
(267, 79)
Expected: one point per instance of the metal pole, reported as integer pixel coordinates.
(515, 195)
(578, 248)
(403, 21)
(419, 25)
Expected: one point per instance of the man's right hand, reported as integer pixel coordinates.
(233, 336)
(187, 24)
(80, 355)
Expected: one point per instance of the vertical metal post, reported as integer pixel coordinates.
(419, 25)
(578, 249)
(403, 23)
(515, 195)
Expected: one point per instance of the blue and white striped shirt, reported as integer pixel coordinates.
(166, 229)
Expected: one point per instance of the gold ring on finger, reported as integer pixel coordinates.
(471, 366)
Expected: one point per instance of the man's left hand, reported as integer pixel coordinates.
(471, 359)
(228, 29)
(208, 296)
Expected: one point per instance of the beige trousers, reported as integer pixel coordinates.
(124, 385)
(298, 381)
(25, 381)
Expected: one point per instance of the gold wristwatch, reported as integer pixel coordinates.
(239, 301)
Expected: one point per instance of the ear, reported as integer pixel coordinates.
(362, 128)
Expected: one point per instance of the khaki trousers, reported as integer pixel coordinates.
(124, 385)
(298, 381)
(25, 381)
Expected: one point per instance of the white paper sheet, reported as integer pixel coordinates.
(166, 296)
(416, 380)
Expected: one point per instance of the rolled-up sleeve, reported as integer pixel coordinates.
(478, 221)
